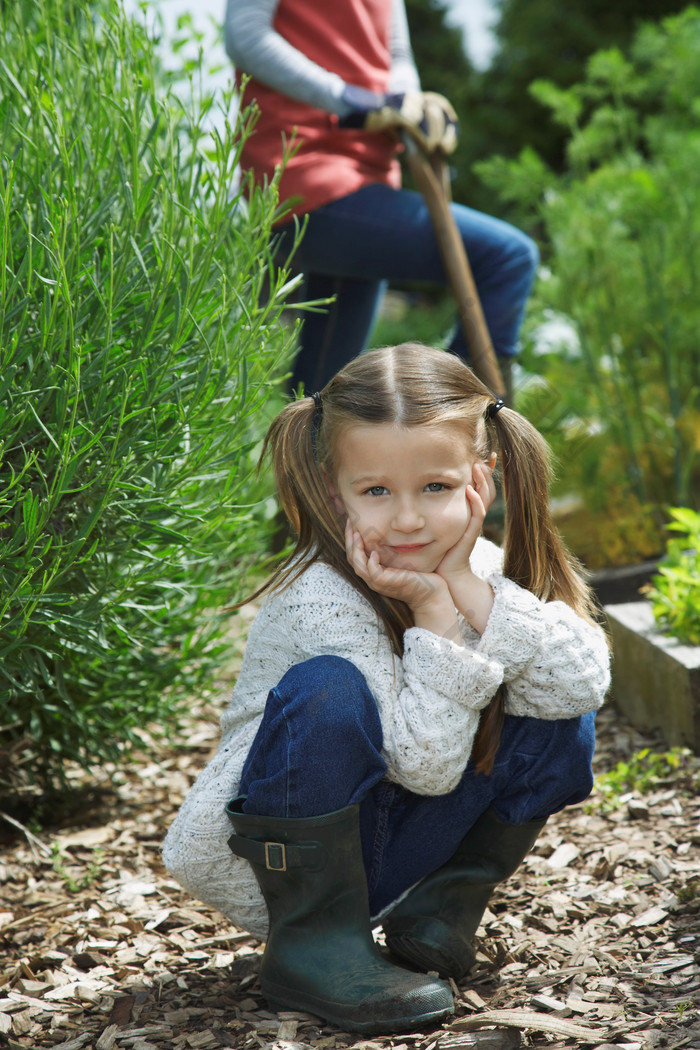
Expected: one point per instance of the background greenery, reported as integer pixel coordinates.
(619, 391)
(534, 39)
(140, 338)
(675, 594)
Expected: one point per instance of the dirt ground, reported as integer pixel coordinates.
(594, 942)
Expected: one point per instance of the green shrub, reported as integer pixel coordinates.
(675, 594)
(622, 262)
(140, 338)
(645, 771)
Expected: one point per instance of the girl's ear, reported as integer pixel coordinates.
(333, 492)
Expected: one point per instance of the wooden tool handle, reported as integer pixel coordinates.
(454, 257)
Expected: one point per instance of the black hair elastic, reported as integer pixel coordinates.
(494, 408)
(317, 401)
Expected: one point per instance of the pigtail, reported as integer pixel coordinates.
(488, 735)
(291, 444)
(534, 555)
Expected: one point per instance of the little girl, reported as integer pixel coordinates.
(413, 702)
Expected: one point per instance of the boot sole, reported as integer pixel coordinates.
(337, 1014)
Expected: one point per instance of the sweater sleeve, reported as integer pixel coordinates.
(555, 663)
(255, 47)
(429, 701)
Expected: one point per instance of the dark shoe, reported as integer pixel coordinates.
(320, 955)
(434, 925)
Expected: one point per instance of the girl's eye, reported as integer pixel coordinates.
(377, 490)
(435, 486)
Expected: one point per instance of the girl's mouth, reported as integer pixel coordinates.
(407, 548)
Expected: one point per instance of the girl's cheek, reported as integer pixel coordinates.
(353, 517)
(462, 517)
(462, 511)
(369, 530)
(371, 539)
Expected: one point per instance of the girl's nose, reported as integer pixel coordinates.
(407, 517)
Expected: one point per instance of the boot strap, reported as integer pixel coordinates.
(279, 856)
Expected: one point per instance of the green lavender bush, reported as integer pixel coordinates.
(140, 338)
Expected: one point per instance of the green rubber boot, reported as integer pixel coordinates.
(320, 955)
(434, 925)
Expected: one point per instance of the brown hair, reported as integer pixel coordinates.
(413, 385)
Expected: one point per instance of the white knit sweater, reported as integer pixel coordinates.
(556, 666)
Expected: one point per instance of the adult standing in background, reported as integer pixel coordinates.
(337, 82)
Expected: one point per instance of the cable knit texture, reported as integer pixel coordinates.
(555, 664)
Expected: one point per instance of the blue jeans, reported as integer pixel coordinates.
(354, 245)
(318, 749)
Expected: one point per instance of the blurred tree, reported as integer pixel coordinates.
(536, 38)
(440, 56)
(544, 38)
(540, 38)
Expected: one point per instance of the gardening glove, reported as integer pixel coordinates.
(426, 116)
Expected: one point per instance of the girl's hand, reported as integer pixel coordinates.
(472, 596)
(426, 594)
(479, 495)
(406, 585)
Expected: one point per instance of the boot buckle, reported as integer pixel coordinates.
(275, 856)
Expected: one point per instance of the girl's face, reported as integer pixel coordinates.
(404, 490)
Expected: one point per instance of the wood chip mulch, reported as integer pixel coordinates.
(595, 942)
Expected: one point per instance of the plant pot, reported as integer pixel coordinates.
(622, 583)
(656, 679)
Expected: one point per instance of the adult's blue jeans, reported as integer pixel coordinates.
(353, 246)
(318, 749)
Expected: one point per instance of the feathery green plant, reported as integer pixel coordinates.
(140, 338)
